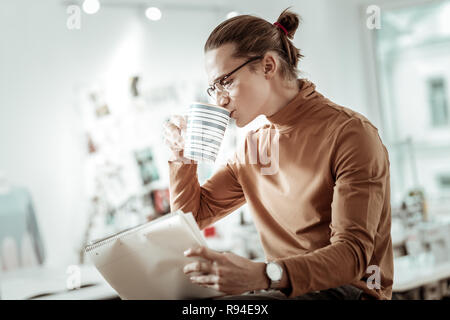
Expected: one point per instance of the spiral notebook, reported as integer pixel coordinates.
(146, 261)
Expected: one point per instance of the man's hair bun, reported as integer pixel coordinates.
(290, 21)
(253, 36)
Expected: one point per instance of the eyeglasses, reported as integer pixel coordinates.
(220, 85)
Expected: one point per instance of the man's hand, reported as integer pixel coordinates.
(226, 272)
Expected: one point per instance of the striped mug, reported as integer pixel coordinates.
(206, 125)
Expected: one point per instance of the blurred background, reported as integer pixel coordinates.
(85, 87)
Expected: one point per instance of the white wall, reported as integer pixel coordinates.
(43, 65)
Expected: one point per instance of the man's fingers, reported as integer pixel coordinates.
(198, 266)
(179, 121)
(173, 145)
(173, 136)
(206, 280)
(215, 286)
(204, 252)
(171, 127)
(184, 122)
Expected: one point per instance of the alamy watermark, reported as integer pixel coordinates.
(261, 149)
(373, 21)
(374, 281)
(73, 21)
(73, 280)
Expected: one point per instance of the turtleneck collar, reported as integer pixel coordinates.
(287, 117)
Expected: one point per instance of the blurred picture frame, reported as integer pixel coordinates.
(148, 169)
(161, 201)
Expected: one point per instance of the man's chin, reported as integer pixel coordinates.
(239, 124)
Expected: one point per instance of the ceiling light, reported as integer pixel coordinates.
(232, 14)
(153, 13)
(91, 6)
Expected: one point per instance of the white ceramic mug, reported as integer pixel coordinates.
(206, 126)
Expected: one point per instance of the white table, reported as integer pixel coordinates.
(409, 273)
(414, 272)
(53, 281)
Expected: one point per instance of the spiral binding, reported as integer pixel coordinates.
(124, 233)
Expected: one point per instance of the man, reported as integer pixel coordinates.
(323, 213)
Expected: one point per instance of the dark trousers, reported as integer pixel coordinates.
(345, 292)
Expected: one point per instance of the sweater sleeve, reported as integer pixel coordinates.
(360, 166)
(219, 196)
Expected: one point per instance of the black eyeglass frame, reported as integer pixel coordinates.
(220, 81)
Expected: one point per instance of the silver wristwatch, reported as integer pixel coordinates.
(274, 272)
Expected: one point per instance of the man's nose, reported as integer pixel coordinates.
(223, 99)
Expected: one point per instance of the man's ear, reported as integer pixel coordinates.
(270, 65)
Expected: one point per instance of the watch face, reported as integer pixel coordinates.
(274, 271)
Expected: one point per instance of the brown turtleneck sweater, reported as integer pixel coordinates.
(323, 209)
